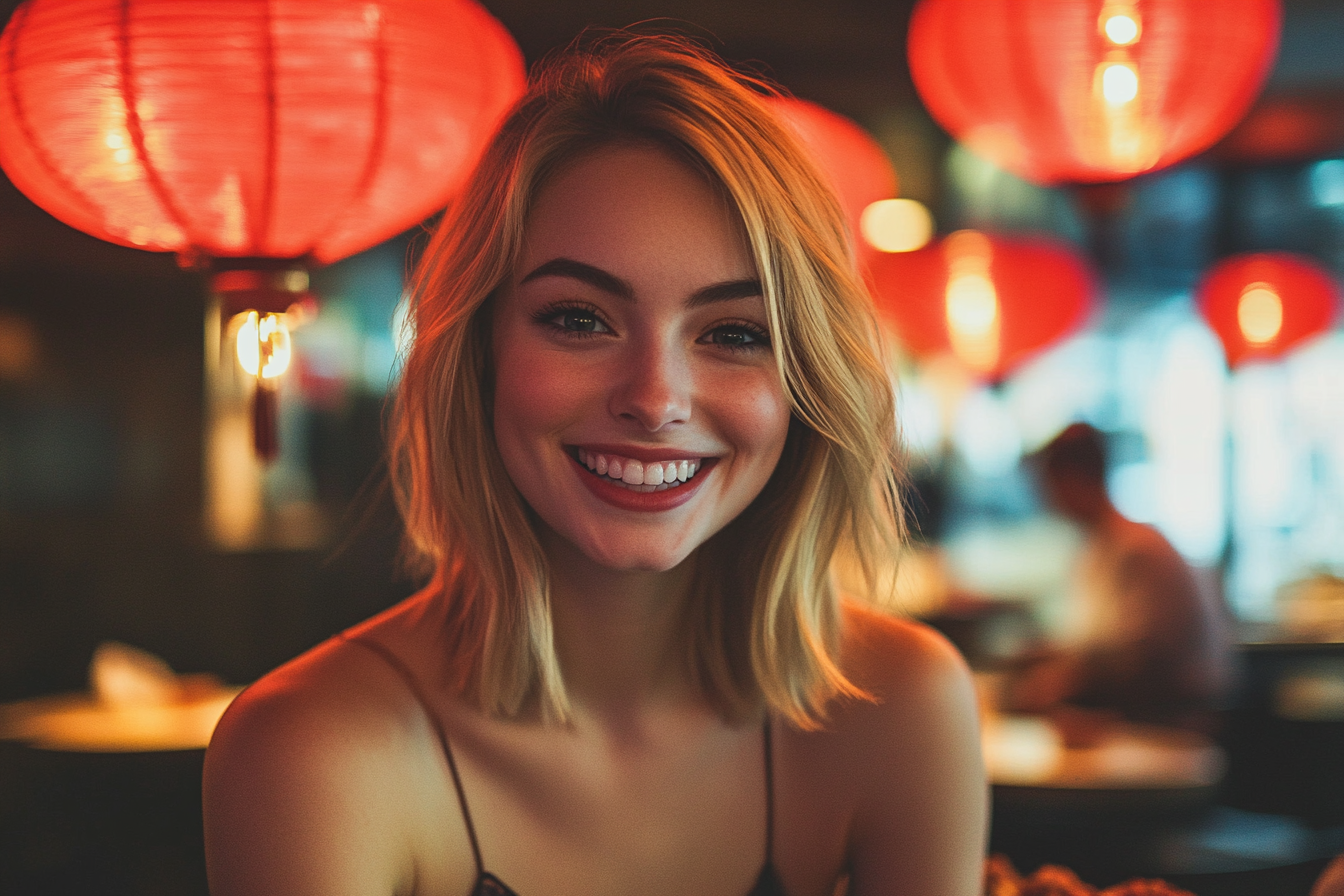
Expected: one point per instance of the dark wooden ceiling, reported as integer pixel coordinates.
(847, 54)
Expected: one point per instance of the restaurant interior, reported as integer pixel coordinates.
(163, 542)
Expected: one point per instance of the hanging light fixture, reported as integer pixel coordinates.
(991, 302)
(254, 138)
(1090, 91)
(1261, 305)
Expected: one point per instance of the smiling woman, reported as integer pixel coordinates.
(644, 406)
(637, 337)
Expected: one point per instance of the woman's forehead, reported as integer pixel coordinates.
(632, 204)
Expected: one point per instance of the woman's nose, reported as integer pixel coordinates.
(653, 387)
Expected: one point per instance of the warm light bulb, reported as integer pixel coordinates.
(263, 344)
(1121, 30)
(1119, 83)
(1260, 313)
(971, 300)
(896, 225)
(972, 304)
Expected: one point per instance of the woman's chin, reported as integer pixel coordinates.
(637, 561)
(628, 554)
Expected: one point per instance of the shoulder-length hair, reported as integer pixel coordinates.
(765, 618)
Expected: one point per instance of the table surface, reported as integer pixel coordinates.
(1030, 751)
(81, 723)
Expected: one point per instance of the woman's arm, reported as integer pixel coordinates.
(921, 818)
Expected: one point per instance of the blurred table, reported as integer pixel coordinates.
(1139, 801)
(82, 723)
(1030, 751)
(1285, 735)
(98, 798)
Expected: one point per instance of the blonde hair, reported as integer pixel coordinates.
(765, 616)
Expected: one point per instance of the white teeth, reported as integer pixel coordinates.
(635, 472)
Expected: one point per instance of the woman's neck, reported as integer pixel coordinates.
(620, 635)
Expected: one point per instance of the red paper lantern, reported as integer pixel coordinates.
(993, 302)
(1090, 91)
(252, 128)
(271, 133)
(858, 168)
(1262, 304)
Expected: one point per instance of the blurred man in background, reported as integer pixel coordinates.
(1148, 641)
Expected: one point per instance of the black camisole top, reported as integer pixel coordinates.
(767, 882)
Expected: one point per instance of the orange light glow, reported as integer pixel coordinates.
(1119, 83)
(263, 344)
(1121, 30)
(1260, 313)
(972, 301)
(1123, 139)
(896, 225)
(1120, 24)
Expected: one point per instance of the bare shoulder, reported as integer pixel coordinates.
(320, 706)
(918, 697)
(903, 664)
(912, 760)
(305, 786)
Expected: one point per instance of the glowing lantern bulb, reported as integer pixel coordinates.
(263, 345)
(1121, 29)
(1260, 313)
(972, 304)
(896, 225)
(1119, 83)
(972, 301)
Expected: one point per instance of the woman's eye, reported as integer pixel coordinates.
(738, 336)
(573, 320)
(583, 321)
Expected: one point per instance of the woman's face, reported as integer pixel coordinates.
(637, 404)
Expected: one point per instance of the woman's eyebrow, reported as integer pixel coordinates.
(577, 270)
(610, 283)
(749, 288)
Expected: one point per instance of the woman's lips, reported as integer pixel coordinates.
(643, 495)
(639, 472)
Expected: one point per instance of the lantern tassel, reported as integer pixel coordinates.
(265, 422)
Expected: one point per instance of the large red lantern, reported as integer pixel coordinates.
(993, 302)
(1090, 91)
(858, 168)
(1263, 304)
(258, 136)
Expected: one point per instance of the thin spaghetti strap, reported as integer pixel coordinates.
(769, 796)
(400, 668)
